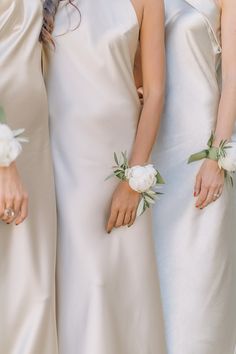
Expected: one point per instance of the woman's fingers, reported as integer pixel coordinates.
(23, 211)
(127, 218)
(15, 209)
(212, 192)
(8, 214)
(112, 220)
(2, 208)
(202, 197)
(197, 187)
(133, 218)
(120, 219)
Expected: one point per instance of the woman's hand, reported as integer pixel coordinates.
(209, 183)
(124, 207)
(13, 197)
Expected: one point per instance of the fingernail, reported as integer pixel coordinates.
(195, 194)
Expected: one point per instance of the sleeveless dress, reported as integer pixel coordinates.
(196, 250)
(108, 289)
(27, 251)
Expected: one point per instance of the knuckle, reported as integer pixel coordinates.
(131, 208)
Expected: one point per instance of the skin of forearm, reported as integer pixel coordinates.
(227, 110)
(148, 128)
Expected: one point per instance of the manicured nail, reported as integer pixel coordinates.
(195, 194)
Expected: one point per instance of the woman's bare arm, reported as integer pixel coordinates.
(151, 16)
(210, 179)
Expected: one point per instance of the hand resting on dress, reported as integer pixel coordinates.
(13, 197)
(209, 183)
(123, 207)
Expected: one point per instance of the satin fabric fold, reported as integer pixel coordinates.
(196, 249)
(108, 289)
(27, 251)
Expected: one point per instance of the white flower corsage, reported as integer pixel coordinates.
(227, 161)
(10, 142)
(142, 179)
(225, 154)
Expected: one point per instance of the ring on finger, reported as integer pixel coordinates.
(216, 195)
(9, 213)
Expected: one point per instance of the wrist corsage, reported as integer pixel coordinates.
(10, 142)
(225, 155)
(142, 179)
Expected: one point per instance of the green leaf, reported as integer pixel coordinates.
(116, 159)
(159, 178)
(141, 207)
(149, 199)
(109, 177)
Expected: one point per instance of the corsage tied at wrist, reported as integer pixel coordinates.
(142, 179)
(225, 155)
(10, 142)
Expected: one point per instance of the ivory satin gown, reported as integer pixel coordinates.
(108, 290)
(196, 249)
(27, 251)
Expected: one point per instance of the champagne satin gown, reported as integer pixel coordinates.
(108, 290)
(196, 249)
(27, 251)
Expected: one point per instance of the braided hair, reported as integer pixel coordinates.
(49, 12)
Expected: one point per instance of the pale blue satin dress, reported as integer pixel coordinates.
(195, 249)
(107, 285)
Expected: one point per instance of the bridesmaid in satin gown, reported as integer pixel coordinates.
(196, 249)
(108, 289)
(27, 251)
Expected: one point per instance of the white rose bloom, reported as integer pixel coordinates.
(228, 162)
(10, 147)
(141, 178)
